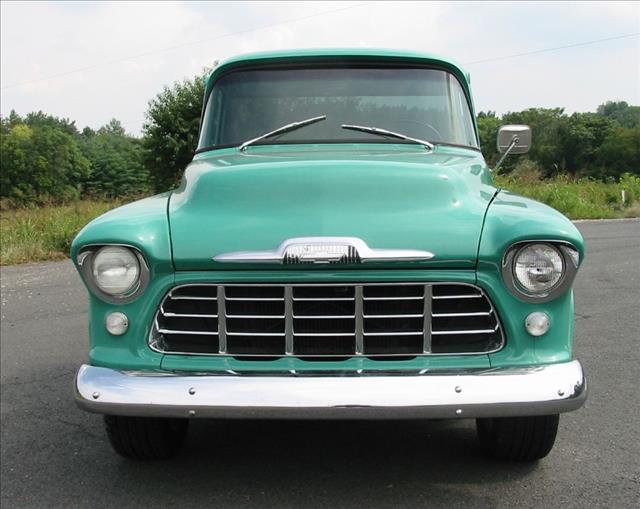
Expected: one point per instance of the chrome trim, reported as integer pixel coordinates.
(254, 334)
(254, 317)
(328, 317)
(564, 283)
(85, 265)
(359, 320)
(427, 285)
(445, 297)
(428, 316)
(395, 298)
(187, 332)
(466, 393)
(462, 332)
(400, 333)
(327, 250)
(418, 315)
(288, 320)
(448, 315)
(321, 299)
(222, 323)
(281, 130)
(385, 132)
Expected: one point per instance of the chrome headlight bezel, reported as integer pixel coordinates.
(85, 260)
(570, 260)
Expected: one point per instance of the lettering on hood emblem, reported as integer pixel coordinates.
(324, 250)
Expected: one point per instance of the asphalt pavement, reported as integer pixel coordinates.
(55, 455)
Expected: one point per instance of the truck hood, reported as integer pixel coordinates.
(391, 197)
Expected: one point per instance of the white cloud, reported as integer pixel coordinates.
(41, 39)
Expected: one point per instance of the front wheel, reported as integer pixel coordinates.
(145, 438)
(518, 438)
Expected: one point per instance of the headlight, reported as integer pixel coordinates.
(115, 273)
(538, 271)
(116, 270)
(538, 267)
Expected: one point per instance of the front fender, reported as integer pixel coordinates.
(509, 219)
(142, 224)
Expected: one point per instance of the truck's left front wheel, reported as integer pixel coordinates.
(145, 438)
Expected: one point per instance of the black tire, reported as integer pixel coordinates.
(518, 438)
(145, 438)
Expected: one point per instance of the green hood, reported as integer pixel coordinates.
(390, 196)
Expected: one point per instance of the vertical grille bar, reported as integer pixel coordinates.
(426, 347)
(222, 320)
(288, 319)
(359, 321)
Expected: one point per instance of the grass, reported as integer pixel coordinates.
(45, 233)
(580, 198)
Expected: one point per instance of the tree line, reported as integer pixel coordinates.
(46, 159)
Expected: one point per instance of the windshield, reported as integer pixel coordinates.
(427, 104)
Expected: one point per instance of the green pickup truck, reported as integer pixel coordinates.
(336, 250)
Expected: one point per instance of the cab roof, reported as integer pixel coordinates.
(337, 54)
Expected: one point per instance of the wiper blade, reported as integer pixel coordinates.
(383, 132)
(281, 130)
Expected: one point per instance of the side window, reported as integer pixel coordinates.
(461, 113)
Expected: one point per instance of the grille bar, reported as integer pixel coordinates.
(222, 322)
(288, 320)
(187, 315)
(428, 315)
(334, 320)
(359, 321)
(188, 332)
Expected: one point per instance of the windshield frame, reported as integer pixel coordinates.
(336, 64)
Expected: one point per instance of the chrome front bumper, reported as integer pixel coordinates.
(498, 392)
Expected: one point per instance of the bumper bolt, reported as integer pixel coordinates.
(560, 392)
(192, 390)
(458, 389)
(95, 395)
(459, 411)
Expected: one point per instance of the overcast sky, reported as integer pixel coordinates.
(95, 61)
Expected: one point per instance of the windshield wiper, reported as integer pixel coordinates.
(383, 132)
(281, 130)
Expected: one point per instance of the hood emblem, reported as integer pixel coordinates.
(324, 250)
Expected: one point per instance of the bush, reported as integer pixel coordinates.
(527, 172)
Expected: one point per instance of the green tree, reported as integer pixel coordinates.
(488, 125)
(41, 161)
(40, 119)
(116, 162)
(619, 153)
(171, 131)
(621, 112)
(547, 125)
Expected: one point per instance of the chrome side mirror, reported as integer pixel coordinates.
(513, 139)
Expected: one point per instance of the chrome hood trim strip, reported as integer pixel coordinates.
(324, 250)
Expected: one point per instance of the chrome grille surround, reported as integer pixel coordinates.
(332, 321)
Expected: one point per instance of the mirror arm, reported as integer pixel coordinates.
(514, 142)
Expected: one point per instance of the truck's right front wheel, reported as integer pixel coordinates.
(518, 438)
(145, 438)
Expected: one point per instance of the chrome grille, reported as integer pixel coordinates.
(327, 320)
